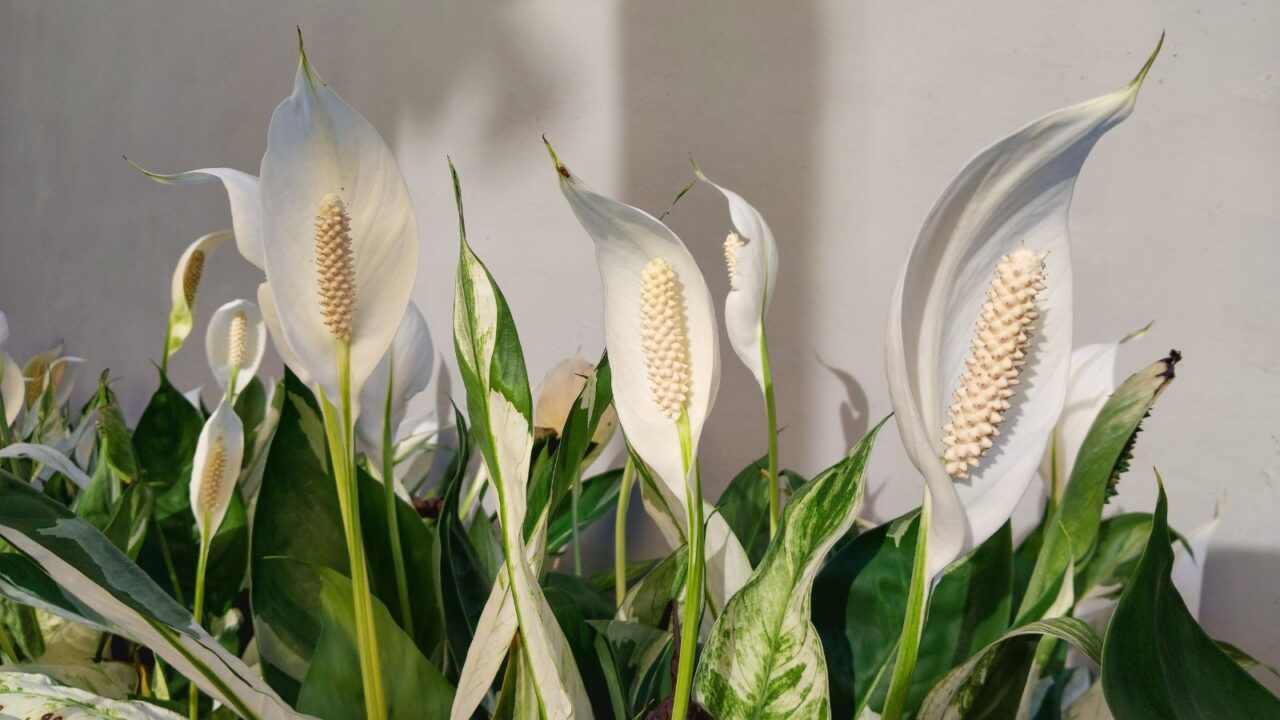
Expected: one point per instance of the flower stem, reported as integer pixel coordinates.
(202, 564)
(620, 533)
(164, 356)
(771, 411)
(339, 433)
(6, 646)
(393, 520)
(912, 625)
(693, 581)
(575, 497)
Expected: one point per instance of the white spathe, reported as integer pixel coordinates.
(215, 468)
(271, 318)
(407, 366)
(1014, 194)
(318, 146)
(754, 275)
(237, 318)
(626, 240)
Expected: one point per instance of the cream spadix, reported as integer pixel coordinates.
(340, 243)
(234, 343)
(996, 357)
(1014, 194)
(50, 369)
(219, 452)
(184, 287)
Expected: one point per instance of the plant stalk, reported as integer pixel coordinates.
(202, 565)
(913, 624)
(393, 519)
(620, 533)
(771, 412)
(339, 431)
(693, 581)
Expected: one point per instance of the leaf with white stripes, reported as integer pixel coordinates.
(100, 577)
(32, 696)
(764, 658)
(492, 367)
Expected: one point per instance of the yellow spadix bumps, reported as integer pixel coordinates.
(732, 244)
(665, 337)
(239, 341)
(335, 267)
(211, 482)
(996, 356)
(191, 276)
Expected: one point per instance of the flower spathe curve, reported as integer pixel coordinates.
(245, 199)
(320, 149)
(559, 390)
(626, 240)
(214, 470)
(234, 343)
(751, 258)
(12, 385)
(1015, 193)
(407, 363)
(183, 288)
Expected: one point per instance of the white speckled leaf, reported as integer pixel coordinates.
(25, 695)
(764, 658)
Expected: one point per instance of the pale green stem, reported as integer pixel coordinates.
(473, 496)
(913, 624)
(694, 580)
(771, 412)
(393, 520)
(231, 385)
(164, 356)
(620, 533)
(338, 430)
(202, 565)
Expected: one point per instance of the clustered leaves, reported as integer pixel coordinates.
(203, 563)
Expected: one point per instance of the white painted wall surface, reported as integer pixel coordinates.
(840, 121)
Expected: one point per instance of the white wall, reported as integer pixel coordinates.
(841, 121)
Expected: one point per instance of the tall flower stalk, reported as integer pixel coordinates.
(978, 346)
(340, 255)
(660, 332)
(751, 259)
(219, 453)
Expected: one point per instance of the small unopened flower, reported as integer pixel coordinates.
(407, 368)
(185, 286)
(559, 390)
(219, 452)
(235, 342)
(996, 356)
(50, 369)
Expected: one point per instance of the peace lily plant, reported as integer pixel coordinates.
(316, 547)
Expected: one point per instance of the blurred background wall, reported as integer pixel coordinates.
(840, 121)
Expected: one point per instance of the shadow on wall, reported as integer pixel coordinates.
(740, 89)
(1226, 571)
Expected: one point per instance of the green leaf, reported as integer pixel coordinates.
(332, 690)
(764, 658)
(599, 497)
(99, 576)
(128, 524)
(251, 408)
(464, 581)
(647, 600)
(641, 657)
(1157, 662)
(860, 598)
(1121, 540)
(744, 504)
(991, 683)
(1071, 533)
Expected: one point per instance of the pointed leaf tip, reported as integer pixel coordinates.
(1142, 74)
(555, 160)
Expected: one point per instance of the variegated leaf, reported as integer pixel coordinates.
(500, 408)
(25, 695)
(764, 658)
